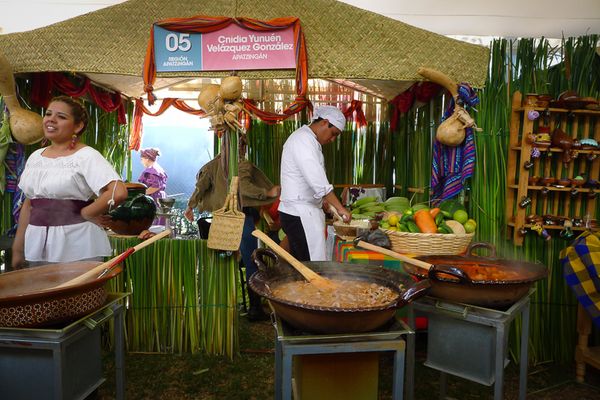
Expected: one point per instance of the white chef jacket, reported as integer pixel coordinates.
(303, 186)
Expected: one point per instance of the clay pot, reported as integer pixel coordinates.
(570, 100)
(547, 180)
(135, 214)
(530, 99)
(543, 100)
(577, 182)
(564, 141)
(533, 218)
(542, 140)
(533, 180)
(564, 182)
(538, 100)
(588, 144)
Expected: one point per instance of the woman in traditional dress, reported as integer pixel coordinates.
(68, 187)
(153, 175)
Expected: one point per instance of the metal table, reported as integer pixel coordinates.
(61, 363)
(290, 343)
(453, 326)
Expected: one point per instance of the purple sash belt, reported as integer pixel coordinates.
(55, 212)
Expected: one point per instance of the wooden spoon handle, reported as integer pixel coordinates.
(307, 273)
(336, 214)
(418, 263)
(113, 261)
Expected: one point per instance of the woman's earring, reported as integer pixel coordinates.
(74, 140)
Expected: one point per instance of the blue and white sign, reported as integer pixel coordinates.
(177, 51)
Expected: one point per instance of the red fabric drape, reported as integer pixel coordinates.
(44, 83)
(135, 137)
(356, 107)
(206, 24)
(421, 91)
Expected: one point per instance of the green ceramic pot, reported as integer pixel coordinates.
(135, 214)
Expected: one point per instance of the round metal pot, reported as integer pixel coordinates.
(451, 278)
(28, 300)
(318, 319)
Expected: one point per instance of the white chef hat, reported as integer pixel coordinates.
(331, 114)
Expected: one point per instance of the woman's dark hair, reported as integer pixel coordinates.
(78, 110)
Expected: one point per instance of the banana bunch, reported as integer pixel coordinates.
(397, 204)
(368, 207)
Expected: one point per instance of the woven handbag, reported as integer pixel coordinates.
(227, 223)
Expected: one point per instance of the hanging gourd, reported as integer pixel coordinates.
(231, 88)
(452, 131)
(223, 104)
(25, 125)
(208, 98)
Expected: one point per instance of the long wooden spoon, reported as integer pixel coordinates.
(308, 274)
(107, 265)
(417, 263)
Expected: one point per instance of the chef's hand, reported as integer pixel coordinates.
(345, 214)
(189, 214)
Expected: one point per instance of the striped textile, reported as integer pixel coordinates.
(581, 261)
(452, 166)
(345, 252)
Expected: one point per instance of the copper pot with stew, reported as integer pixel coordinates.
(365, 299)
(485, 281)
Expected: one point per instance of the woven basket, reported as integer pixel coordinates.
(349, 231)
(227, 223)
(429, 243)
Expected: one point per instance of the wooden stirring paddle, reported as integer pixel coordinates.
(308, 274)
(106, 266)
(413, 261)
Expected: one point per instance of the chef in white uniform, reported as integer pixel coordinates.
(304, 185)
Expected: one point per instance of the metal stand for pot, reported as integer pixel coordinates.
(290, 343)
(168, 223)
(164, 210)
(61, 363)
(471, 342)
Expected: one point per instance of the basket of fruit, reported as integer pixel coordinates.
(420, 230)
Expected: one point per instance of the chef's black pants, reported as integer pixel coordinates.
(292, 226)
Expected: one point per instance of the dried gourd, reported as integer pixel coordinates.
(26, 126)
(208, 97)
(451, 132)
(231, 88)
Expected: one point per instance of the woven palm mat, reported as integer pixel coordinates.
(342, 41)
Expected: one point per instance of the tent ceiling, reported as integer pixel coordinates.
(506, 18)
(382, 56)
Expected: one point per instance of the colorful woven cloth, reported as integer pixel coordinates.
(345, 251)
(452, 166)
(581, 262)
